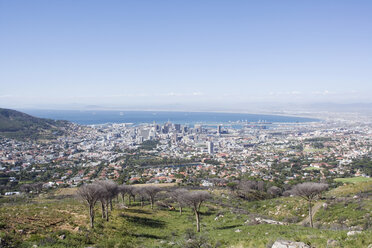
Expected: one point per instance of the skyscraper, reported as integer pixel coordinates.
(219, 129)
(210, 147)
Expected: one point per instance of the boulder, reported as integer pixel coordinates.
(62, 236)
(332, 243)
(267, 221)
(289, 244)
(352, 233)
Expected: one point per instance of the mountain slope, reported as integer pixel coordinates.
(15, 124)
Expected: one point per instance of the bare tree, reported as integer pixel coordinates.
(131, 191)
(150, 192)
(250, 190)
(309, 191)
(104, 203)
(110, 190)
(274, 191)
(260, 186)
(25, 188)
(90, 193)
(124, 190)
(139, 191)
(178, 196)
(194, 199)
(36, 187)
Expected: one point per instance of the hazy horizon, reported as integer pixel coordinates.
(209, 55)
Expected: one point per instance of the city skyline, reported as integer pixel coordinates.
(178, 55)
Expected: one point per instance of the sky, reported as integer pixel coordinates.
(147, 53)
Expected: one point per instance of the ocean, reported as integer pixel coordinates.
(90, 117)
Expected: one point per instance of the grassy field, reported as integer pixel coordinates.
(354, 179)
(60, 220)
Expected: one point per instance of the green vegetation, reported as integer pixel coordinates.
(149, 144)
(58, 219)
(353, 179)
(350, 189)
(346, 213)
(364, 165)
(14, 124)
(311, 168)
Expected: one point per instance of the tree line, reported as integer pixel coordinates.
(104, 192)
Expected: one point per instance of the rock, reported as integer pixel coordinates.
(219, 216)
(352, 233)
(238, 230)
(62, 236)
(332, 243)
(267, 221)
(289, 244)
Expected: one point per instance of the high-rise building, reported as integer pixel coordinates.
(219, 129)
(184, 129)
(177, 127)
(210, 147)
(198, 128)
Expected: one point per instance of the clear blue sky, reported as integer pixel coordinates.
(128, 53)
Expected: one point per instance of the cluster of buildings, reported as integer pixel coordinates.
(184, 153)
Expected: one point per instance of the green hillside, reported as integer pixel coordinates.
(18, 125)
(59, 219)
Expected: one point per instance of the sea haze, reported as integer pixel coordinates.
(100, 117)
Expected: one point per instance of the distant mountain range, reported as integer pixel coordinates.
(18, 125)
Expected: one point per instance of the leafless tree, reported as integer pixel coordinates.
(150, 192)
(260, 185)
(139, 191)
(104, 203)
(250, 190)
(90, 193)
(110, 190)
(35, 187)
(194, 199)
(287, 193)
(131, 191)
(26, 188)
(178, 196)
(309, 191)
(274, 191)
(124, 190)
